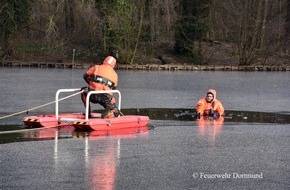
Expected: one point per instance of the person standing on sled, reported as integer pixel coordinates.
(209, 105)
(102, 77)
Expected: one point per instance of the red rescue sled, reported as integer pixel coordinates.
(81, 121)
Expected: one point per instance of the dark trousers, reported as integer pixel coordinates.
(104, 100)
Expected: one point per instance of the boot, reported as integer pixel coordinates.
(108, 114)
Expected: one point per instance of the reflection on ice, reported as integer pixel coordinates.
(210, 127)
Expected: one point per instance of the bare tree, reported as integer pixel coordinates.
(287, 28)
(258, 28)
(13, 18)
(69, 15)
(255, 26)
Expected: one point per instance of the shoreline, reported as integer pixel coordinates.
(168, 67)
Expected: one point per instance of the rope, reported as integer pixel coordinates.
(33, 129)
(26, 111)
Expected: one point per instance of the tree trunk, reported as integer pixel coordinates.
(69, 16)
(139, 33)
(255, 40)
(287, 28)
(6, 45)
(264, 24)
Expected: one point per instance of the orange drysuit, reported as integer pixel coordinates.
(103, 71)
(205, 108)
(102, 77)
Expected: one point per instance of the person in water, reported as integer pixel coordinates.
(209, 105)
(102, 77)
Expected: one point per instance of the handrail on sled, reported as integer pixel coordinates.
(87, 100)
(101, 92)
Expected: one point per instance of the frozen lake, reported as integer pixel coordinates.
(179, 153)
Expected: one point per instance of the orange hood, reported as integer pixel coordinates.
(213, 92)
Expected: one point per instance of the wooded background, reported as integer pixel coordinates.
(146, 31)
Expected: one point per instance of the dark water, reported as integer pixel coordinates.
(247, 149)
